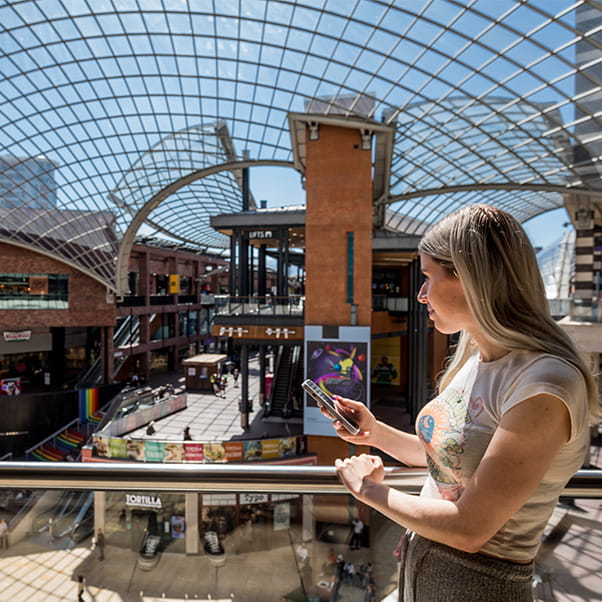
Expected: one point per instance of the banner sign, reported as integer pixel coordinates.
(21, 335)
(142, 450)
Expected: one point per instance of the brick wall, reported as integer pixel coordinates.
(87, 298)
(339, 200)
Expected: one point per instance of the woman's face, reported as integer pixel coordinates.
(444, 297)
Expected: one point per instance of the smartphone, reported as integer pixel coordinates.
(326, 402)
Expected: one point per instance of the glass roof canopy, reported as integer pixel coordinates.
(141, 113)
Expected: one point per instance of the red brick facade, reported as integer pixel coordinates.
(88, 301)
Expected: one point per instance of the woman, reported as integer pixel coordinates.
(506, 431)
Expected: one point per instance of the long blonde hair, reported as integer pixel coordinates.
(489, 251)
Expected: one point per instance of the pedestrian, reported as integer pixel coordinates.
(507, 429)
(357, 527)
(150, 429)
(3, 534)
(81, 588)
(100, 544)
(187, 436)
(235, 375)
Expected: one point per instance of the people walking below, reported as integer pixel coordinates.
(215, 382)
(100, 544)
(187, 436)
(3, 534)
(81, 588)
(235, 375)
(357, 527)
(507, 428)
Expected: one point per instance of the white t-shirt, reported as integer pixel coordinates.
(457, 426)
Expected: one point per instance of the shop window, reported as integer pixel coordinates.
(34, 291)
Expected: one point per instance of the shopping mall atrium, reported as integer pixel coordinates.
(204, 203)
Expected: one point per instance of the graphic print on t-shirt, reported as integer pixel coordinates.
(444, 426)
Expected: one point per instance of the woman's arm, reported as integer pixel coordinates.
(518, 456)
(405, 447)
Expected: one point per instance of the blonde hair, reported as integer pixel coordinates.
(489, 251)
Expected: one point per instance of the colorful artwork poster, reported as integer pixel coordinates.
(339, 368)
(215, 452)
(287, 447)
(270, 448)
(337, 359)
(178, 527)
(252, 450)
(135, 450)
(234, 451)
(194, 452)
(385, 368)
(154, 451)
(117, 448)
(174, 452)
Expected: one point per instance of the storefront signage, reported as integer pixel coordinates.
(259, 332)
(22, 335)
(280, 332)
(144, 501)
(253, 498)
(260, 234)
(232, 331)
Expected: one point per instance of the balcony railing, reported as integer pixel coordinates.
(267, 305)
(228, 532)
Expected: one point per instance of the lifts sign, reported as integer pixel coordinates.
(144, 501)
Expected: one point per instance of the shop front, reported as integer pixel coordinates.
(246, 522)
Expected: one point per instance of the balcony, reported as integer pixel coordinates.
(259, 308)
(273, 528)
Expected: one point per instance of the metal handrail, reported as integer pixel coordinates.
(233, 478)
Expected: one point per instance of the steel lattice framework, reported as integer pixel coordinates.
(135, 112)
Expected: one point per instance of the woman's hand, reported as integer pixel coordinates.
(361, 414)
(357, 471)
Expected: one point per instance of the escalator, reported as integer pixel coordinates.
(283, 400)
(74, 514)
(44, 519)
(126, 334)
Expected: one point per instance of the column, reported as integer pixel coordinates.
(583, 293)
(339, 202)
(191, 514)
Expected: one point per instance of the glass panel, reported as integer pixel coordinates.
(242, 546)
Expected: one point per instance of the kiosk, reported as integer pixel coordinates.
(199, 368)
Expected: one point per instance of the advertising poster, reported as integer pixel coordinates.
(174, 452)
(385, 361)
(282, 516)
(270, 448)
(339, 366)
(178, 527)
(251, 450)
(233, 451)
(10, 386)
(135, 450)
(117, 448)
(215, 452)
(101, 445)
(154, 451)
(287, 447)
(194, 452)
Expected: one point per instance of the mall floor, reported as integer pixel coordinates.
(569, 567)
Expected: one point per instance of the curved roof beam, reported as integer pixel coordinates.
(140, 217)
